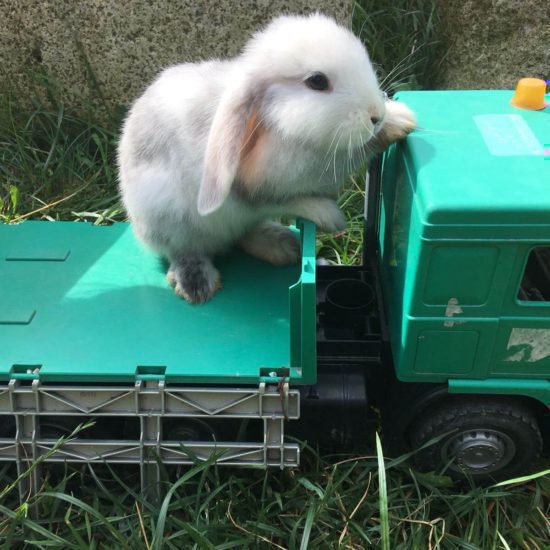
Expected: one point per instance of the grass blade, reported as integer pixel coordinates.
(309, 523)
(34, 526)
(383, 497)
(158, 538)
(523, 479)
(94, 513)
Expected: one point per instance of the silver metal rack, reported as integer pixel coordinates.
(29, 403)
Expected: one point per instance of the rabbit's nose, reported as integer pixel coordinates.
(375, 119)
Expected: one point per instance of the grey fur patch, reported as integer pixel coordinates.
(152, 141)
(258, 197)
(265, 196)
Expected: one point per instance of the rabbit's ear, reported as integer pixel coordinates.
(226, 141)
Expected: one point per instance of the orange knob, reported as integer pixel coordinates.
(529, 94)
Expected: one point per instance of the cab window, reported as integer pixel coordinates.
(535, 283)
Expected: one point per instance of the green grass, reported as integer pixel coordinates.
(402, 40)
(56, 163)
(331, 502)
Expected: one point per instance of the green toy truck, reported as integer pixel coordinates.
(444, 329)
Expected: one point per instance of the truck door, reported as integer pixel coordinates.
(455, 315)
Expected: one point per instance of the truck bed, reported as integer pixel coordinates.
(81, 303)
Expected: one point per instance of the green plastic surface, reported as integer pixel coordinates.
(479, 162)
(536, 389)
(85, 303)
(463, 204)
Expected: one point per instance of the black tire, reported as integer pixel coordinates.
(189, 429)
(488, 438)
(7, 427)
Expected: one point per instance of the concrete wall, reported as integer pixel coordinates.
(489, 43)
(493, 43)
(128, 41)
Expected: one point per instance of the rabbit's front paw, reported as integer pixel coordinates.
(273, 243)
(399, 121)
(194, 278)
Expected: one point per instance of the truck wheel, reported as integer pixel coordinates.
(489, 439)
(189, 429)
(7, 427)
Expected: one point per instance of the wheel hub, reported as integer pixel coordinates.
(479, 451)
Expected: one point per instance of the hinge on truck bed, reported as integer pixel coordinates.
(282, 386)
(25, 372)
(281, 377)
(282, 390)
(272, 375)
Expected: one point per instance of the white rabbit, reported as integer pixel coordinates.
(212, 150)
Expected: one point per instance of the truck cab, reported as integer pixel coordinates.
(464, 259)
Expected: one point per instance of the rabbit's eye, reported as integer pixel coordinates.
(317, 81)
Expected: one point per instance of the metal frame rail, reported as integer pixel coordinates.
(150, 401)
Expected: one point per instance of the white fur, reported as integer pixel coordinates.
(180, 149)
(399, 120)
(272, 243)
